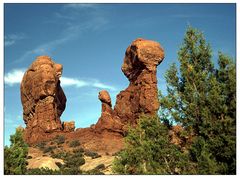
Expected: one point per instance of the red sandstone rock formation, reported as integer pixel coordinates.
(42, 98)
(141, 97)
(140, 67)
(68, 126)
(108, 120)
(44, 101)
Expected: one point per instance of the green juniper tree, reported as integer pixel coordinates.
(203, 100)
(15, 155)
(200, 98)
(148, 151)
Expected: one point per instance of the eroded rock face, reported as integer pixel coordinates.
(141, 97)
(108, 120)
(68, 126)
(140, 67)
(42, 98)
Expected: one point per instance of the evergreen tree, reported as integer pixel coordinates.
(15, 155)
(203, 100)
(148, 151)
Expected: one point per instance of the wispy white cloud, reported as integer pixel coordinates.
(67, 82)
(44, 49)
(80, 5)
(78, 83)
(11, 39)
(15, 77)
(72, 29)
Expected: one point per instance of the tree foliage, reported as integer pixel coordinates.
(202, 99)
(15, 155)
(148, 151)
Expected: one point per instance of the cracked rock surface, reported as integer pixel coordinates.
(42, 98)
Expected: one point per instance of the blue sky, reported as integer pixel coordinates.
(90, 40)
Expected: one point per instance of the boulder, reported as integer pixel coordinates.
(44, 162)
(42, 98)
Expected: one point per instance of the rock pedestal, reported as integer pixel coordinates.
(108, 121)
(140, 67)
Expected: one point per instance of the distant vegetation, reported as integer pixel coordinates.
(92, 154)
(202, 99)
(60, 139)
(15, 158)
(74, 143)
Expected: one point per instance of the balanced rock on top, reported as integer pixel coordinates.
(140, 67)
(141, 96)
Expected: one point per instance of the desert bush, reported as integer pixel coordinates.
(79, 151)
(49, 149)
(42, 171)
(60, 155)
(41, 145)
(74, 143)
(92, 154)
(29, 157)
(59, 164)
(94, 172)
(100, 167)
(59, 139)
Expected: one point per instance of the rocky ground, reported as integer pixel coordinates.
(43, 154)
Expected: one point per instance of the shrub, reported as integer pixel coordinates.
(100, 167)
(94, 172)
(60, 139)
(60, 155)
(78, 151)
(49, 149)
(29, 157)
(59, 164)
(74, 143)
(42, 171)
(92, 154)
(41, 145)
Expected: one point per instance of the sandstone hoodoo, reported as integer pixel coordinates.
(141, 97)
(108, 120)
(140, 67)
(43, 99)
